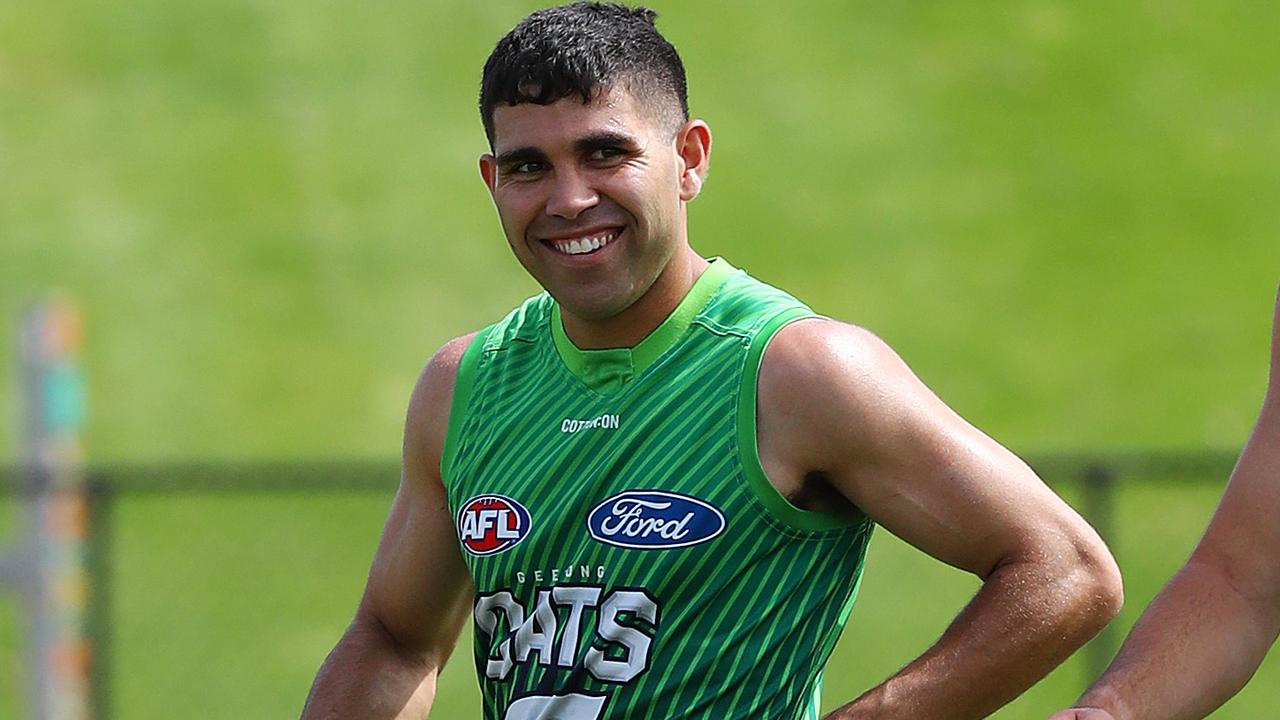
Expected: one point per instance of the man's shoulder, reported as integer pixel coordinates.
(824, 373)
(746, 304)
(525, 321)
(811, 348)
(442, 366)
(427, 418)
(434, 393)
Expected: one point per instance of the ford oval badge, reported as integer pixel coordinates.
(654, 520)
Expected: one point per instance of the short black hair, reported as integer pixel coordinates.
(577, 50)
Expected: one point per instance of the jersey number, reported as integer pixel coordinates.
(556, 707)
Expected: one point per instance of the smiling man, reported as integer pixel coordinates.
(651, 487)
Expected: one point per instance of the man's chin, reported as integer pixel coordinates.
(592, 311)
(592, 305)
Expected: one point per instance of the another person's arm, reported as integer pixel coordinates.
(836, 402)
(418, 592)
(1207, 631)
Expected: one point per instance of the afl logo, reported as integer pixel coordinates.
(489, 524)
(654, 520)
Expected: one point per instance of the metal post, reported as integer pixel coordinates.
(55, 584)
(1099, 503)
(101, 521)
(10, 570)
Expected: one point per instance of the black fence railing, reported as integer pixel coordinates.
(267, 477)
(1096, 477)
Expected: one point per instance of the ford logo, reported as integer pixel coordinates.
(654, 520)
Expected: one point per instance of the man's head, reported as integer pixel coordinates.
(580, 50)
(593, 157)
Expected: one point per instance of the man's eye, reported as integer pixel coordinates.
(606, 153)
(526, 168)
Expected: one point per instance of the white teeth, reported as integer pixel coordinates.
(581, 246)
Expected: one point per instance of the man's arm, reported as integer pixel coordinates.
(1207, 631)
(837, 403)
(418, 592)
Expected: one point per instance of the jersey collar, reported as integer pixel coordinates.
(608, 369)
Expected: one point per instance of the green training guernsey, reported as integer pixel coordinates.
(630, 558)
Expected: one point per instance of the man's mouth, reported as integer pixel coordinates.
(584, 244)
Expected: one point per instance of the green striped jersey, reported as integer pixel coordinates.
(630, 557)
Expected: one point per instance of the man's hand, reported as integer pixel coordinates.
(1083, 714)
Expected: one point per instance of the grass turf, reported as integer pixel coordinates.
(228, 603)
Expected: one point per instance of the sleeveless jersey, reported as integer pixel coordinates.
(630, 558)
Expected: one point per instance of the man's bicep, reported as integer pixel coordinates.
(419, 588)
(911, 463)
(945, 487)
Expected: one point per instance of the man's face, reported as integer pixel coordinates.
(590, 197)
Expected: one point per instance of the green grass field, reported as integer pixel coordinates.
(227, 603)
(1061, 214)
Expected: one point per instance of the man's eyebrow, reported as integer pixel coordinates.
(519, 155)
(604, 138)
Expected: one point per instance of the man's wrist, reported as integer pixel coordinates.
(1104, 697)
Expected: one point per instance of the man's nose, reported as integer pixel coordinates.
(571, 193)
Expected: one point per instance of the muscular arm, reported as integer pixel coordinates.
(1207, 631)
(418, 592)
(837, 403)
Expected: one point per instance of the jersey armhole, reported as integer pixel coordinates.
(748, 448)
(462, 386)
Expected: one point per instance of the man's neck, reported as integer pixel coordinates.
(629, 327)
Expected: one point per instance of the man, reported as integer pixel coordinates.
(1205, 634)
(652, 487)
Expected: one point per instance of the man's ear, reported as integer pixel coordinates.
(693, 145)
(489, 171)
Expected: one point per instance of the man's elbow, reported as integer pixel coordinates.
(1095, 581)
(1078, 579)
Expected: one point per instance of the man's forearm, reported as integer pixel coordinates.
(1026, 619)
(1207, 631)
(366, 676)
(1196, 645)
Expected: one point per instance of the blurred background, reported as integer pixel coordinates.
(1062, 214)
